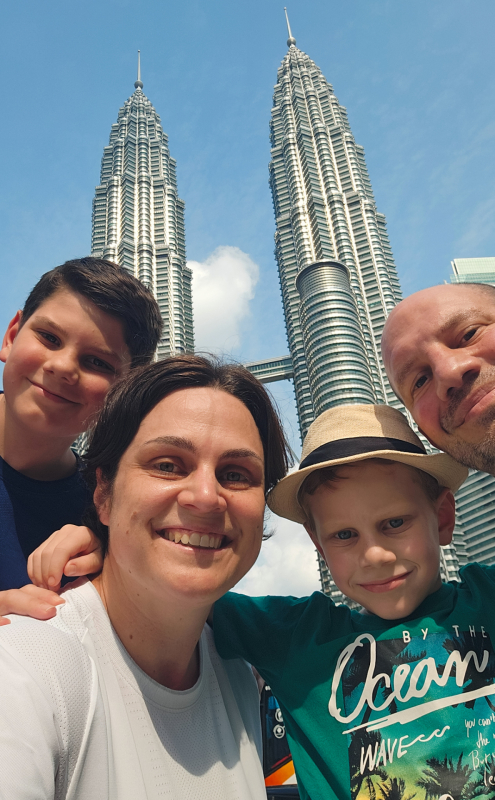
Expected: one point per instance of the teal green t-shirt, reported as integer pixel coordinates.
(374, 709)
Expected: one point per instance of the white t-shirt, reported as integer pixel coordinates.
(80, 720)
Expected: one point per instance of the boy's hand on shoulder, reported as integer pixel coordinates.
(73, 551)
(30, 601)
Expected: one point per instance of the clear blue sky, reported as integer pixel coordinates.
(418, 80)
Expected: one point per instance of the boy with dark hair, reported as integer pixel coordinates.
(85, 323)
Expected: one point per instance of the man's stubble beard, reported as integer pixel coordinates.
(477, 455)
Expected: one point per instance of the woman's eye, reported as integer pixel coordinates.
(343, 535)
(166, 466)
(235, 477)
(396, 522)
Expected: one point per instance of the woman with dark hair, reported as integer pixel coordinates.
(123, 695)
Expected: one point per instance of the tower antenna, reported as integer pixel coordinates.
(291, 39)
(139, 84)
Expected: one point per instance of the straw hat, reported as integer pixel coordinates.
(352, 433)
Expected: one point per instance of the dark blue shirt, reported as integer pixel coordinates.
(30, 511)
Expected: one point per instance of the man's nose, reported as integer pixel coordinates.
(63, 364)
(203, 492)
(452, 369)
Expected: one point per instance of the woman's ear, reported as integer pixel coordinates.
(102, 499)
(10, 334)
(445, 508)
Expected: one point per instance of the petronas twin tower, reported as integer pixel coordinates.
(337, 274)
(138, 218)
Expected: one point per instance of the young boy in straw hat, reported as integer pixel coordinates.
(397, 699)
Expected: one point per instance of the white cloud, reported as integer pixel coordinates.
(223, 286)
(286, 565)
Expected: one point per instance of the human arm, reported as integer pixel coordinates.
(30, 601)
(29, 746)
(257, 629)
(52, 728)
(72, 551)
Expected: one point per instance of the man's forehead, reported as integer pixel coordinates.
(425, 317)
(432, 312)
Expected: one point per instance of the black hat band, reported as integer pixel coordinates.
(343, 448)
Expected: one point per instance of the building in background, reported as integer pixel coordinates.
(337, 273)
(476, 498)
(138, 218)
(473, 270)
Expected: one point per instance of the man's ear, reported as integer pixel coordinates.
(445, 507)
(10, 334)
(102, 499)
(314, 539)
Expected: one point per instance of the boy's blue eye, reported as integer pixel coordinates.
(396, 523)
(344, 535)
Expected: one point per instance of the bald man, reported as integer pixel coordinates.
(439, 352)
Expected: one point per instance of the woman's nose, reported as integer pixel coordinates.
(203, 492)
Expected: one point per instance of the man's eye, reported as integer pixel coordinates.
(420, 382)
(396, 522)
(343, 535)
(469, 335)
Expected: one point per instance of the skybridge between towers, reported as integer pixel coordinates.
(272, 369)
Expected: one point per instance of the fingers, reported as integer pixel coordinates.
(84, 565)
(48, 562)
(30, 601)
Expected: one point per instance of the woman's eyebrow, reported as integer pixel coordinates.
(241, 453)
(175, 441)
(187, 444)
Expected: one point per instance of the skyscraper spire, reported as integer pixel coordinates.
(291, 39)
(138, 217)
(326, 217)
(139, 84)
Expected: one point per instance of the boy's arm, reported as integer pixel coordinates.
(30, 601)
(73, 551)
(258, 629)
